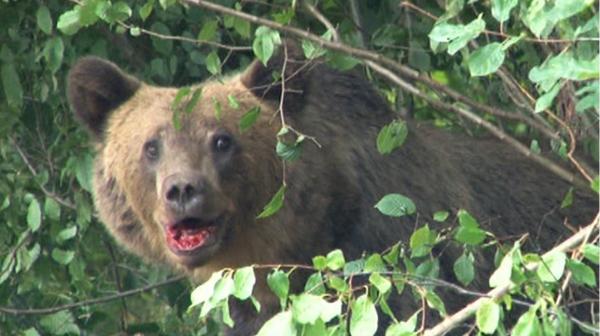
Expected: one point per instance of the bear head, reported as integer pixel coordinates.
(176, 179)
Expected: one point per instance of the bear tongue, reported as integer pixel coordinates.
(187, 239)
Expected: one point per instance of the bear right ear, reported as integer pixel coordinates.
(260, 79)
(95, 87)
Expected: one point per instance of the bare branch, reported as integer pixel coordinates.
(32, 170)
(452, 321)
(108, 298)
(380, 60)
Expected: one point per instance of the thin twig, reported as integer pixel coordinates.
(553, 167)
(313, 10)
(33, 171)
(108, 298)
(452, 321)
(379, 60)
(576, 255)
(418, 9)
(186, 39)
(528, 99)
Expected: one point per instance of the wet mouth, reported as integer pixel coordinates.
(191, 234)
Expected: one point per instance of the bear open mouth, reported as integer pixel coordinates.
(190, 234)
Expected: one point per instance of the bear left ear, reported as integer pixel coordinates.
(265, 81)
(96, 87)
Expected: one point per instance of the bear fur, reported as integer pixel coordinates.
(144, 166)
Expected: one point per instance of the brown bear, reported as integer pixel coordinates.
(189, 195)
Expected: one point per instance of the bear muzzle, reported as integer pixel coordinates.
(192, 214)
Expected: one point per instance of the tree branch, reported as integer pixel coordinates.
(32, 170)
(376, 63)
(452, 321)
(108, 298)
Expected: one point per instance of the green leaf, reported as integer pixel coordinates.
(53, 53)
(244, 281)
(68, 22)
(501, 9)
(233, 102)
(314, 284)
(552, 266)
(595, 185)
(31, 332)
(90, 11)
(61, 323)
(488, 316)
(592, 253)
(440, 216)
(274, 204)
(527, 325)
(545, 100)
(281, 324)
(51, 209)
(330, 310)
(568, 200)
(564, 9)
(164, 47)
(463, 269)
(382, 284)
(337, 283)
(502, 275)
(213, 63)
(242, 27)
(335, 260)
(289, 152)
(146, 10)
(391, 136)
(468, 231)
(363, 321)
(208, 31)
(435, 302)
(456, 35)
(12, 85)
(341, 61)
(320, 263)
(66, 234)
(34, 215)
(392, 256)
(223, 289)
(422, 241)
(204, 292)
(582, 273)
(396, 205)
(44, 20)
(191, 103)
(264, 43)
(83, 172)
(119, 11)
(404, 328)
(535, 146)
(249, 118)
(279, 283)
(374, 263)
(62, 256)
(564, 66)
(486, 60)
(306, 308)
(218, 109)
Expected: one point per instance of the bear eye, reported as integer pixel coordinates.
(151, 150)
(222, 143)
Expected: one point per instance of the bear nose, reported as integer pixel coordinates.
(184, 191)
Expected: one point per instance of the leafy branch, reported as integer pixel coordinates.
(91, 302)
(380, 63)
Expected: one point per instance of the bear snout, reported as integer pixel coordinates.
(182, 192)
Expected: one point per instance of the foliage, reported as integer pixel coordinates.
(54, 251)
